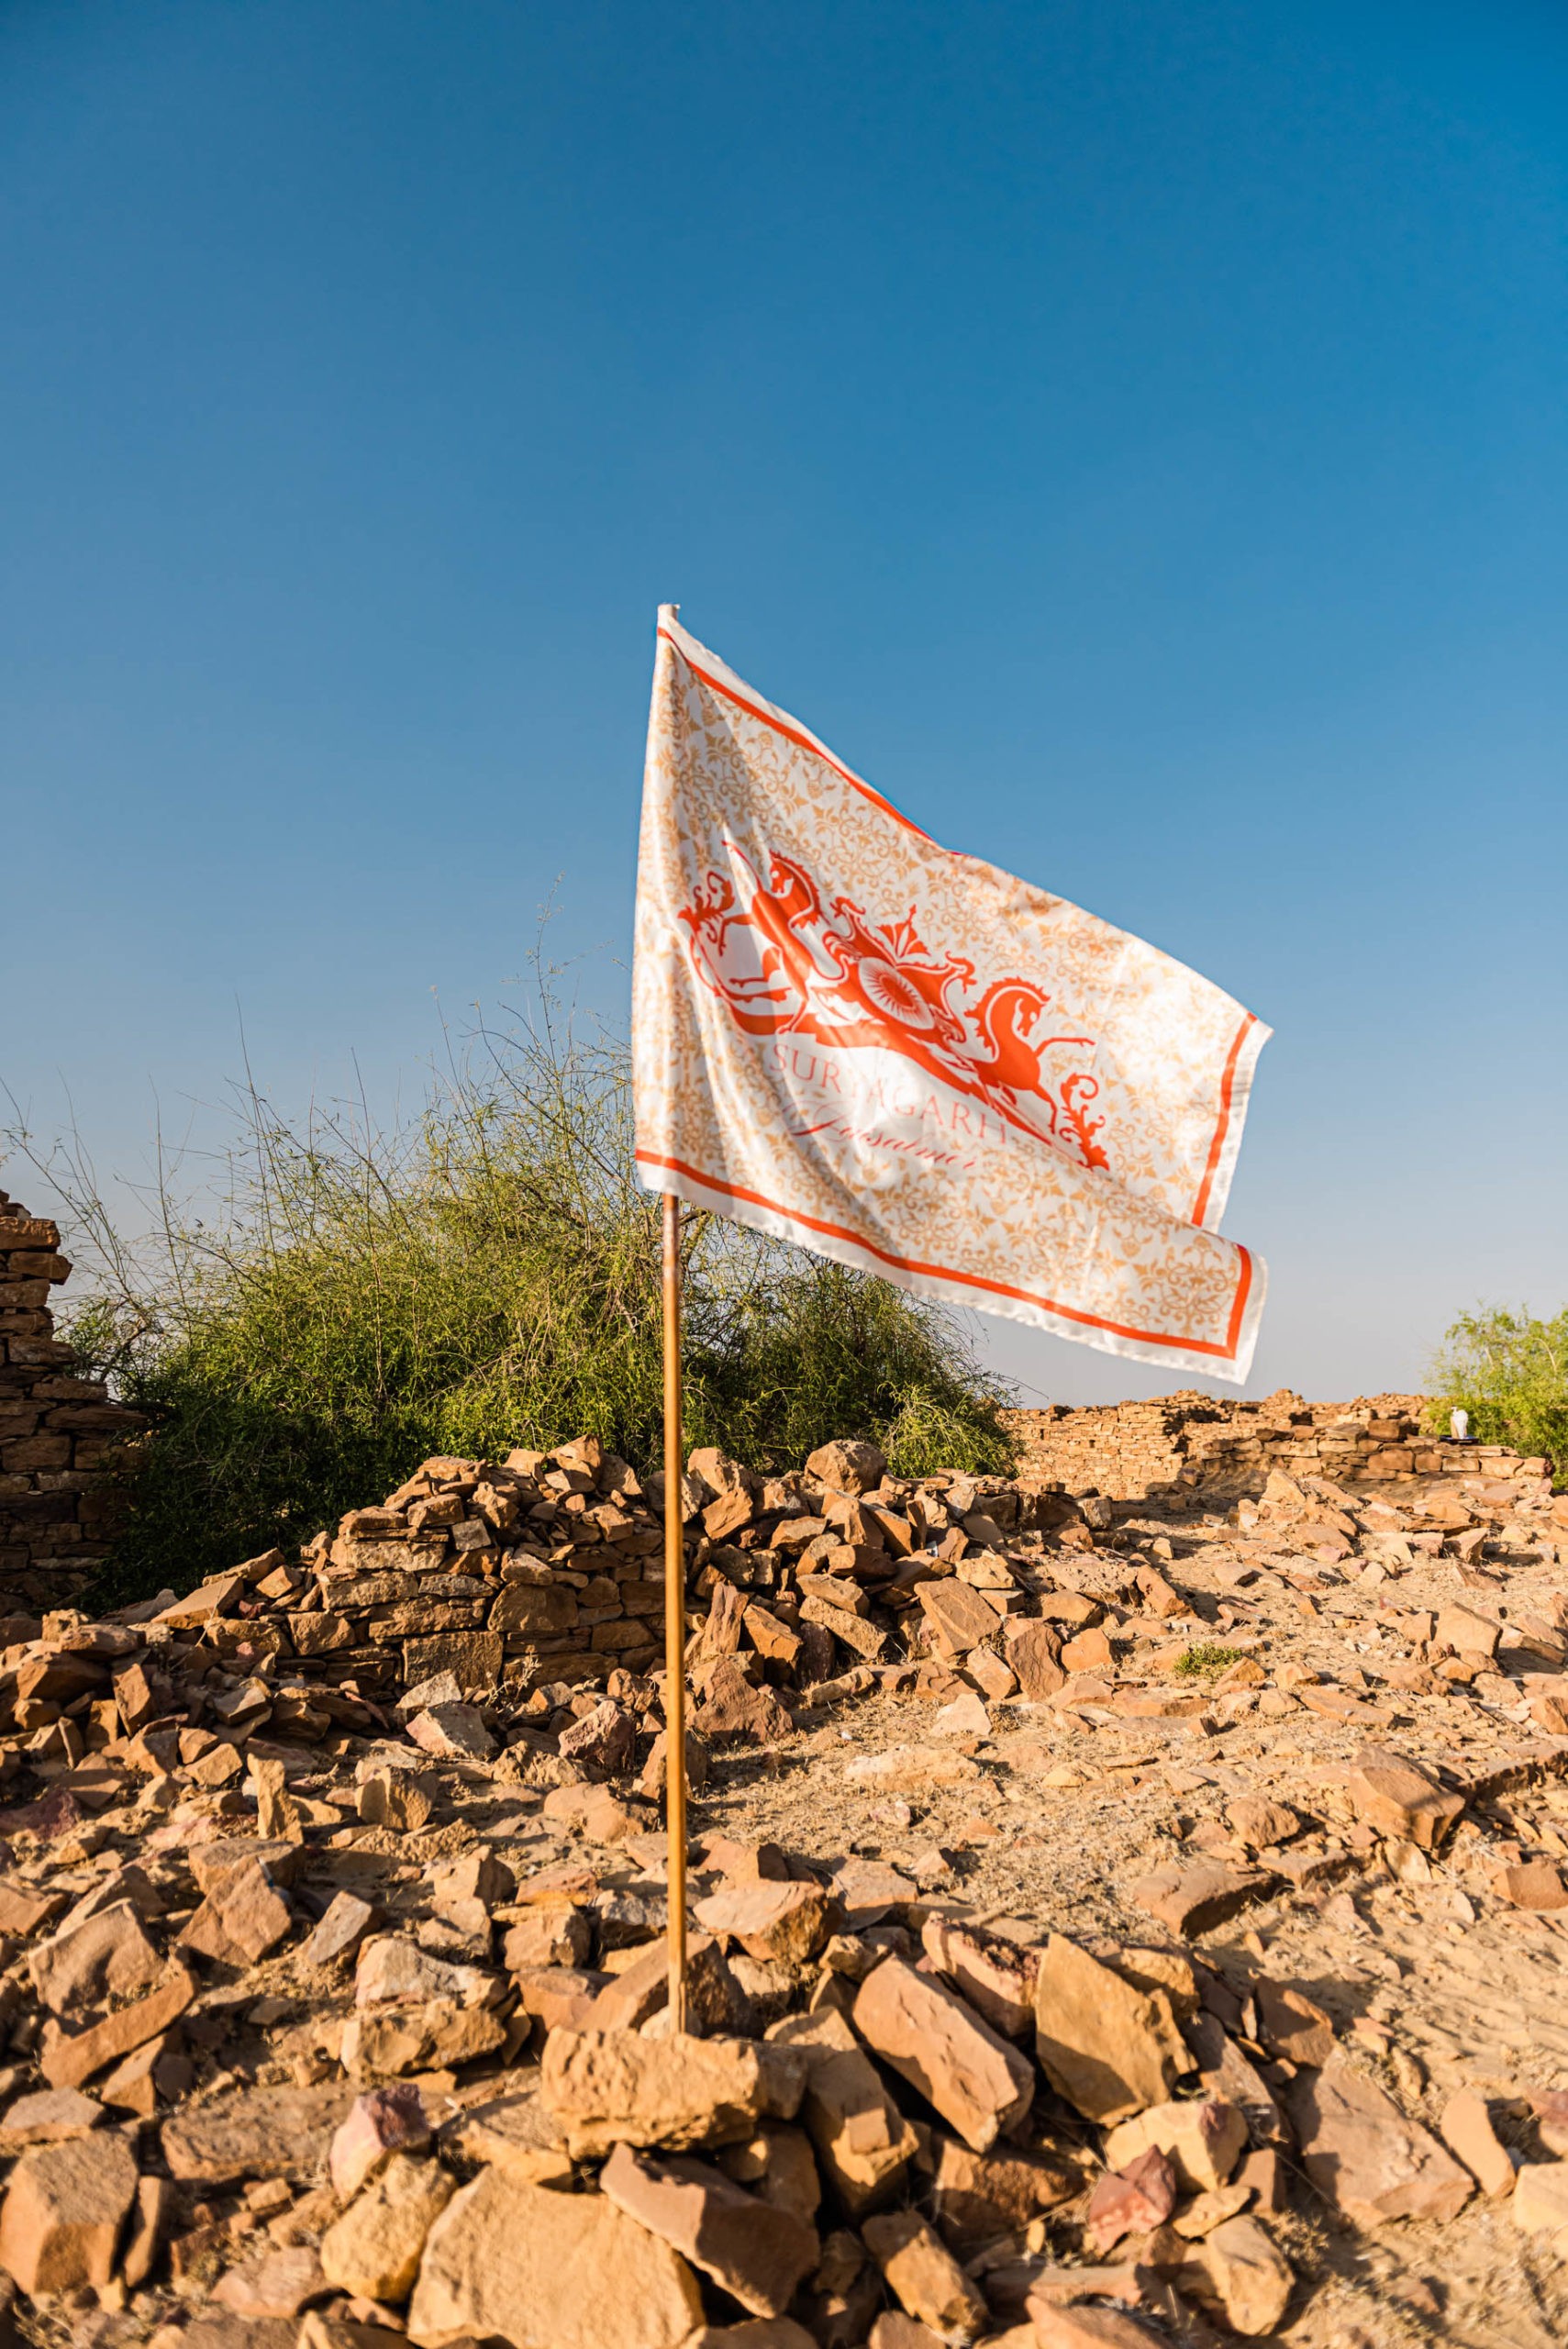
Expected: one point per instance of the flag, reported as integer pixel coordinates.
(910, 1061)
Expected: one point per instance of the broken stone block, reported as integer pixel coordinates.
(1239, 2270)
(786, 1924)
(64, 2209)
(388, 2043)
(1033, 1650)
(517, 2134)
(274, 2287)
(278, 1816)
(977, 2196)
(604, 1739)
(1202, 2138)
(1396, 1797)
(1467, 2130)
(922, 2272)
(392, 1968)
(968, 2072)
(1532, 1884)
(374, 2251)
(347, 1920)
(106, 1955)
(959, 1618)
(548, 1936)
(453, 1733)
(1130, 2200)
(543, 2270)
(385, 2122)
(48, 2118)
(1366, 2158)
(255, 2133)
(756, 2252)
(862, 2139)
(910, 1769)
(1192, 1900)
(1108, 2047)
(996, 1976)
(605, 2088)
(847, 1467)
(395, 1799)
(731, 1708)
(1069, 2325)
(778, 2166)
(1541, 2196)
(69, 2058)
(1293, 2025)
(241, 1919)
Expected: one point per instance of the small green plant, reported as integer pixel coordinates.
(1206, 1660)
(484, 1276)
(1509, 1372)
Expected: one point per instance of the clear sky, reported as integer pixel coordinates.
(1132, 433)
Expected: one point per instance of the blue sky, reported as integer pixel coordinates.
(1132, 433)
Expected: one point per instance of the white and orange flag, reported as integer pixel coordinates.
(910, 1061)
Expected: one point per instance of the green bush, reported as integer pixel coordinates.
(1511, 1373)
(486, 1278)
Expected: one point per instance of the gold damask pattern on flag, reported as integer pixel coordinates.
(909, 1059)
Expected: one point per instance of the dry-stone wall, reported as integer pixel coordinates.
(56, 1429)
(1192, 1441)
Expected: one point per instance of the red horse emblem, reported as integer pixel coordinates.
(786, 966)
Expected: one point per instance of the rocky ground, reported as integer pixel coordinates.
(1110, 1924)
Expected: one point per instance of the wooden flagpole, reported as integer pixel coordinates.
(675, 1622)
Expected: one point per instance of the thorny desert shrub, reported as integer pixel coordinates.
(1509, 1371)
(485, 1276)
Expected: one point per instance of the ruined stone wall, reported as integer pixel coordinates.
(1194, 1443)
(56, 1429)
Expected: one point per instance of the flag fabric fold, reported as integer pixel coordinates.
(909, 1059)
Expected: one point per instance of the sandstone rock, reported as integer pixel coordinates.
(977, 2196)
(959, 1618)
(757, 2252)
(1366, 2158)
(1033, 1650)
(387, 2042)
(1292, 2025)
(1466, 2127)
(107, 1956)
(241, 1919)
(277, 2284)
(1540, 2197)
(605, 2088)
(1193, 1900)
(998, 1977)
(395, 1800)
(385, 2122)
(784, 1922)
(1109, 2048)
(393, 1968)
(543, 2270)
(754, 2332)
(910, 1769)
(515, 2134)
(1072, 2326)
(69, 2058)
(731, 1707)
(545, 1936)
(971, 2075)
(1396, 1797)
(48, 2118)
(374, 2250)
(846, 1467)
(923, 2273)
(862, 2139)
(778, 2165)
(1254, 1821)
(64, 2209)
(1238, 2270)
(255, 2133)
(347, 1920)
(1532, 1884)
(604, 1739)
(1202, 2138)
(453, 1733)
(278, 1816)
(1130, 2200)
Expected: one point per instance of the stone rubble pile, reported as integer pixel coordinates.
(333, 1900)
